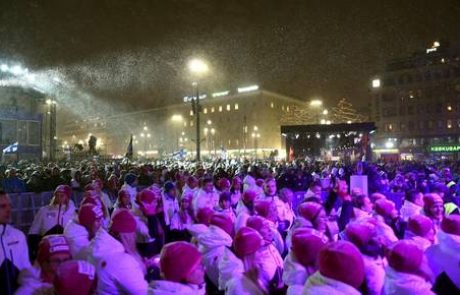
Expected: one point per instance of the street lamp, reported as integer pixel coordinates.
(197, 68)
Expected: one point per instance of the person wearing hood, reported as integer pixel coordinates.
(268, 256)
(75, 277)
(191, 186)
(300, 263)
(171, 212)
(245, 208)
(405, 276)
(236, 190)
(413, 205)
(267, 210)
(181, 269)
(389, 221)
(433, 208)
(420, 230)
(363, 235)
(119, 267)
(444, 258)
(270, 193)
(52, 218)
(38, 279)
(130, 186)
(213, 244)
(315, 215)
(206, 196)
(80, 230)
(98, 185)
(14, 254)
(225, 205)
(75, 182)
(341, 271)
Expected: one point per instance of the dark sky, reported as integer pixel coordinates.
(135, 52)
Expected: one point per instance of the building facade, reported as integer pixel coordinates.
(245, 121)
(416, 103)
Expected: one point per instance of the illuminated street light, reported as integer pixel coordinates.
(389, 145)
(177, 118)
(146, 128)
(198, 66)
(376, 83)
(209, 122)
(325, 112)
(316, 103)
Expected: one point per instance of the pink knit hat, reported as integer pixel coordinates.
(88, 214)
(405, 256)
(224, 183)
(222, 221)
(360, 233)
(75, 277)
(306, 246)
(249, 195)
(123, 222)
(309, 210)
(419, 225)
(384, 207)
(147, 196)
(247, 241)
(256, 222)
(178, 260)
(343, 262)
(430, 199)
(203, 215)
(262, 207)
(50, 245)
(64, 189)
(451, 225)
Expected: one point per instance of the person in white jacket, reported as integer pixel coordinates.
(363, 235)
(206, 196)
(442, 257)
(119, 268)
(413, 205)
(420, 230)
(52, 218)
(404, 276)
(300, 263)
(130, 186)
(245, 208)
(38, 279)
(98, 185)
(181, 269)
(213, 243)
(79, 231)
(341, 271)
(14, 253)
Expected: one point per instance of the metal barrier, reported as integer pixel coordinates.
(26, 205)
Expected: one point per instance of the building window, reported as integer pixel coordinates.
(282, 108)
(449, 124)
(236, 107)
(272, 105)
(212, 110)
(191, 113)
(389, 127)
(449, 108)
(185, 124)
(220, 108)
(228, 107)
(287, 109)
(205, 110)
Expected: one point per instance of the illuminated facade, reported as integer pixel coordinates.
(416, 102)
(246, 120)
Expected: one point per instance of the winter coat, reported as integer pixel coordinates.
(242, 285)
(419, 241)
(441, 257)
(270, 261)
(229, 267)
(171, 212)
(398, 283)
(212, 245)
(318, 284)
(374, 270)
(14, 256)
(242, 219)
(294, 275)
(49, 216)
(118, 272)
(409, 209)
(132, 191)
(78, 238)
(32, 284)
(203, 199)
(171, 288)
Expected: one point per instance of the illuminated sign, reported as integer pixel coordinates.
(218, 94)
(190, 98)
(445, 148)
(248, 89)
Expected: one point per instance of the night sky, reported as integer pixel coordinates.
(134, 53)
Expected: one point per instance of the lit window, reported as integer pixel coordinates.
(287, 109)
(272, 105)
(185, 124)
(228, 107)
(390, 127)
(449, 108)
(236, 106)
(191, 123)
(191, 113)
(212, 110)
(220, 108)
(449, 124)
(282, 108)
(205, 110)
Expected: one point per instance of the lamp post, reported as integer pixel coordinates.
(197, 67)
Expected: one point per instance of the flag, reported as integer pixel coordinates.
(291, 154)
(129, 151)
(12, 148)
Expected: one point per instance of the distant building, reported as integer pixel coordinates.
(416, 103)
(246, 120)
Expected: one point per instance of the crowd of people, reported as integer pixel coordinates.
(234, 228)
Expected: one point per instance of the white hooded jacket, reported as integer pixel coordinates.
(409, 209)
(242, 285)
(374, 270)
(78, 238)
(172, 288)
(442, 257)
(31, 283)
(398, 283)
(118, 272)
(49, 216)
(212, 244)
(294, 275)
(14, 247)
(318, 284)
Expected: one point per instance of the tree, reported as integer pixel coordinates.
(344, 113)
